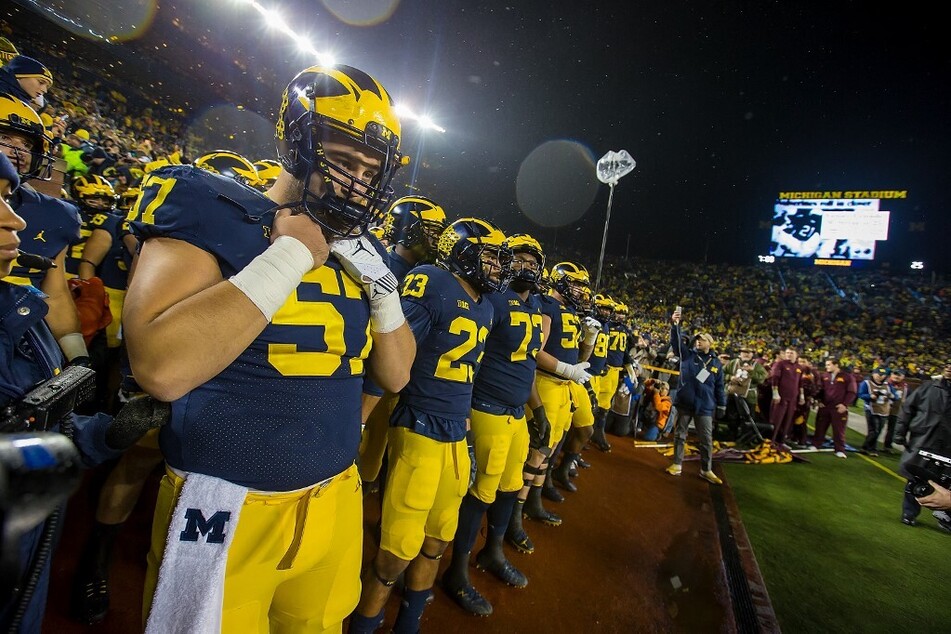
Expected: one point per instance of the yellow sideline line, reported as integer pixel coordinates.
(870, 461)
(881, 466)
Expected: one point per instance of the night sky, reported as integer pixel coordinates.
(722, 105)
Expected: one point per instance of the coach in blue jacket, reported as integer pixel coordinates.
(700, 395)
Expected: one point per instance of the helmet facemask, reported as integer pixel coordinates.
(526, 271)
(32, 163)
(348, 204)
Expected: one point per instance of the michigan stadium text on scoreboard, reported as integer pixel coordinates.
(832, 228)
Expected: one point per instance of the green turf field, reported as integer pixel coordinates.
(833, 552)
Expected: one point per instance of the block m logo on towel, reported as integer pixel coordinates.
(213, 529)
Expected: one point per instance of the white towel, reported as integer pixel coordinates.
(190, 591)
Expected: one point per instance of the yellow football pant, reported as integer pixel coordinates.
(501, 447)
(607, 386)
(556, 397)
(583, 416)
(426, 483)
(318, 535)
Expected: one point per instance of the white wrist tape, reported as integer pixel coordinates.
(269, 279)
(73, 345)
(386, 313)
(590, 337)
(563, 370)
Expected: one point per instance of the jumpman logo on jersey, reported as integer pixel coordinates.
(40, 236)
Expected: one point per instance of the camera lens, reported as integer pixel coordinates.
(921, 489)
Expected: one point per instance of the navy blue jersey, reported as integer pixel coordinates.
(114, 268)
(564, 335)
(75, 253)
(51, 226)
(286, 413)
(617, 344)
(450, 329)
(599, 354)
(508, 367)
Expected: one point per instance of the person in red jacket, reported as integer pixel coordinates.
(785, 376)
(836, 392)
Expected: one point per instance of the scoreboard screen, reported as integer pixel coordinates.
(839, 226)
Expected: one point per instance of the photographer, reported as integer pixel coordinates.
(701, 394)
(924, 423)
(29, 355)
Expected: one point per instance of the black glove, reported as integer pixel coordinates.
(721, 412)
(592, 396)
(539, 429)
(135, 419)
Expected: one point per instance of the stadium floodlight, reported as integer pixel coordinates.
(275, 21)
(917, 265)
(611, 168)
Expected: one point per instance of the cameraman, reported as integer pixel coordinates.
(924, 423)
(29, 355)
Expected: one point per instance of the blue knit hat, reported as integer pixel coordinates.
(23, 67)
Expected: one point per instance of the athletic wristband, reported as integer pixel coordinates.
(269, 279)
(386, 313)
(73, 345)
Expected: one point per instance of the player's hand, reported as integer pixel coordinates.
(302, 228)
(590, 325)
(592, 396)
(362, 261)
(840, 408)
(574, 372)
(539, 428)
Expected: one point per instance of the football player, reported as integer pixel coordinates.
(257, 316)
(572, 283)
(53, 224)
(504, 384)
(603, 378)
(558, 366)
(617, 356)
(412, 227)
(429, 465)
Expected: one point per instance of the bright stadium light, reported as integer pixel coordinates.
(917, 265)
(275, 21)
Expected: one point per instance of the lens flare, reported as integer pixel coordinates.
(556, 183)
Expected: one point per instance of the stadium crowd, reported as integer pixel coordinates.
(475, 429)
